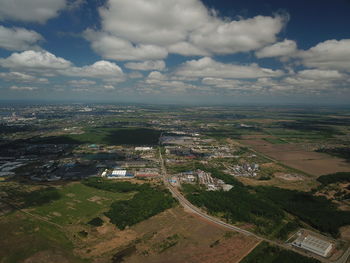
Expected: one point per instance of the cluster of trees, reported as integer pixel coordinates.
(145, 204)
(40, 197)
(239, 205)
(265, 206)
(342, 152)
(111, 186)
(96, 221)
(317, 211)
(264, 253)
(24, 198)
(342, 177)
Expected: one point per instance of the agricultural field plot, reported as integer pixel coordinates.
(78, 203)
(28, 239)
(283, 180)
(294, 156)
(176, 236)
(51, 232)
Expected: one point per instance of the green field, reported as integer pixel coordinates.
(46, 227)
(79, 203)
(275, 140)
(23, 236)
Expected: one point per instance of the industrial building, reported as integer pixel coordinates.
(141, 149)
(117, 173)
(313, 244)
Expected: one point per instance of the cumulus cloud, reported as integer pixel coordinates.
(143, 29)
(187, 49)
(22, 77)
(207, 67)
(331, 54)
(157, 80)
(18, 38)
(117, 48)
(285, 48)
(34, 60)
(21, 88)
(222, 83)
(146, 65)
(135, 75)
(223, 37)
(108, 87)
(99, 69)
(47, 64)
(30, 10)
(81, 82)
(317, 74)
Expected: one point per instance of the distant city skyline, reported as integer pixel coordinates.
(175, 51)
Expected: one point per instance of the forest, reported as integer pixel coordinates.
(264, 253)
(341, 177)
(147, 202)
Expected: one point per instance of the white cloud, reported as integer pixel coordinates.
(108, 87)
(23, 88)
(317, 74)
(156, 80)
(99, 69)
(81, 83)
(143, 29)
(113, 47)
(47, 64)
(187, 49)
(22, 77)
(34, 60)
(146, 65)
(331, 54)
(135, 75)
(285, 48)
(30, 10)
(207, 67)
(228, 37)
(18, 38)
(156, 75)
(222, 83)
(153, 22)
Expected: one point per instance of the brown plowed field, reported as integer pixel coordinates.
(293, 155)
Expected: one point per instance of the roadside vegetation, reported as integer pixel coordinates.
(268, 208)
(264, 253)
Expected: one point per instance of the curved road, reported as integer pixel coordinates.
(186, 204)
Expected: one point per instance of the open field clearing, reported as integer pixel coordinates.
(79, 203)
(196, 240)
(294, 156)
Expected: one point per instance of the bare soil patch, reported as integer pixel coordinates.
(295, 156)
(47, 256)
(289, 177)
(198, 241)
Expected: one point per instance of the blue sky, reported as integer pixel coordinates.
(191, 51)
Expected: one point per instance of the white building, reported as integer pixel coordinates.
(118, 174)
(227, 187)
(313, 244)
(142, 149)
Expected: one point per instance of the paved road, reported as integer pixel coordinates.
(186, 204)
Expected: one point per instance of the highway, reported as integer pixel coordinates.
(195, 210)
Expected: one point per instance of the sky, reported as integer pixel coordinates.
(176, 51)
